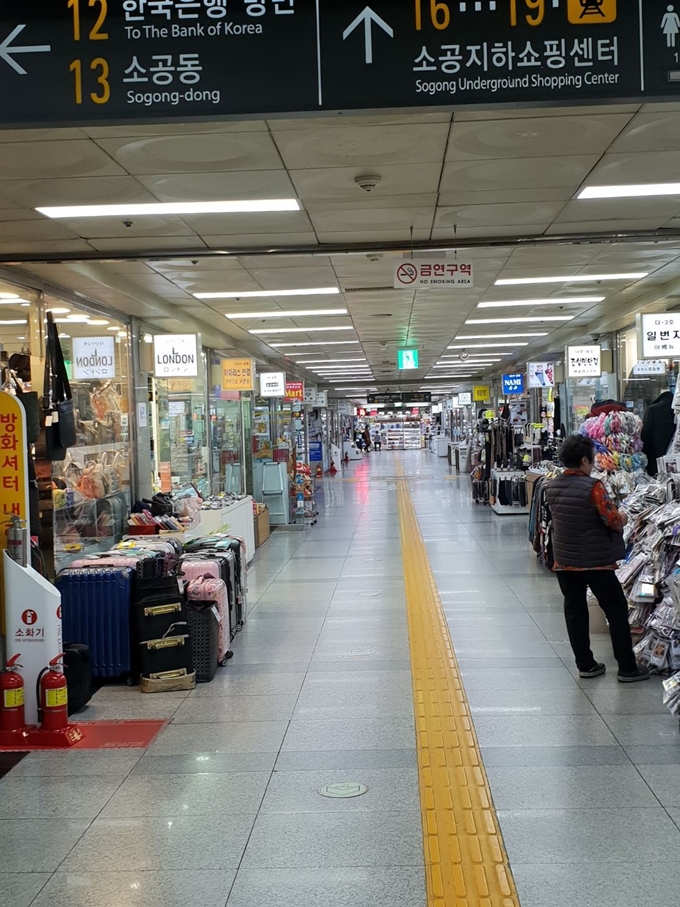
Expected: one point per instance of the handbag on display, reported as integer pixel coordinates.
(58, 409)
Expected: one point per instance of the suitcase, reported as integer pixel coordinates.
(96, 604)
(78, 673)
(221, 565)
(167, 549)
(168, 654)
(207, 589)
(204, 628)
(238, 548)
(154, 614)
(147, 564)
(225, 558)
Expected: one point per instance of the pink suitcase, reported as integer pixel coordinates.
(147, 567)
(207, 588)
(192, 567)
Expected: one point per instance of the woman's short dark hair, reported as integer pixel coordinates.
(574, 449)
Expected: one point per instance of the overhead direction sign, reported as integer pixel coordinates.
(107, 61)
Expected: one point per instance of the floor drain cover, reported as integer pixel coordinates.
(359, 652)
(344, 790)
(369, 594)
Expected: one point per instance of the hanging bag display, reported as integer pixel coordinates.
(58, 410)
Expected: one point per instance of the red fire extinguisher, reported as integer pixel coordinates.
(52, 697)
(12, 697)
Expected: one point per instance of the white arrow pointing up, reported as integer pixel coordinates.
(7, 50)
(368, 17)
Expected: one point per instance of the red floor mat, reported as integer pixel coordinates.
(105, 735)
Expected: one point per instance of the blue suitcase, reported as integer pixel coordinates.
(96, 606)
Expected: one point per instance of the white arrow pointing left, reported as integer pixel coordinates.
(7, 50)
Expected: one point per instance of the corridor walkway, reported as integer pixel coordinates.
(224, 808)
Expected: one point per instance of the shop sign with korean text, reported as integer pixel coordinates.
(238, 375)
(584, 361)
(464, 399)
(650, 367)
(513, 384)
(419, 273)
(541, 374)
(93, 357)
(661, 332)
(175, 355)
(13, 455)
(273, 384)
(295, 390)
(112, 62)
(309, 395)
(481, 393)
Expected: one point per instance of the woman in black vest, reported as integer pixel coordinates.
(587, 543)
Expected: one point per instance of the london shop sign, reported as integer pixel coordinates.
(175, 355)
(115, 61)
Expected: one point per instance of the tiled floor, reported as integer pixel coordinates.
(224, 806)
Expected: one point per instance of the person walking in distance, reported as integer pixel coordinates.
(366, 435)
(587, 543)
(377, 440)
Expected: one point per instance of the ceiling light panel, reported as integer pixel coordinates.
(500, 337)
(575, 300)
(575, 278)
(255, 206)
(517, 320)
(307, 362)
(264, 294)
(298, 313)
(317, 343)
(482, 346)
(634, 190)
(300, 330)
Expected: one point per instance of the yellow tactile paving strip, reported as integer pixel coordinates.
(465, 860)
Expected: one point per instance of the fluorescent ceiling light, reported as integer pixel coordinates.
(318, 343)
(259, 294)
(576, 278)
(465, 364)
(575, 300)
(516, 320)
(482, 346)
(356, 387)
(16, 302)
(9, 296)
(634, 190)
(296, 314)
(308, 362)
(499, 337)
(300, 330)
(112, 329)
(15, 321)
(97, 321)
(439, 377)
(181, 208)
(58, 311)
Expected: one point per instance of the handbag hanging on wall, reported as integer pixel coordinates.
(58, 410)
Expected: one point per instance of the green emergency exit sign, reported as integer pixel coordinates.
(407, 359)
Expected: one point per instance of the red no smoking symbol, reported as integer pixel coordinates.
(407, 273)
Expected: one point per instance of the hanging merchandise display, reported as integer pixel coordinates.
(617, 439)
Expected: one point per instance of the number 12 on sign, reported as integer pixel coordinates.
(96, 33)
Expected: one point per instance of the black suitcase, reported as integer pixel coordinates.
(168, 653)
(78, 673)
(205, 639)
(155, 614)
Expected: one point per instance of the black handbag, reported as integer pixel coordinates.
(29, 400)
(58, 409)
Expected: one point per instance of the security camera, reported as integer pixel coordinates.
(374, 256)
(596, 338)
(368, 183)
(128, 223)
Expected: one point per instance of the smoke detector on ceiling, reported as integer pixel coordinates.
(368, 183)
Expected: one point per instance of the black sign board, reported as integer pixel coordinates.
(89, 61)
(405, 399)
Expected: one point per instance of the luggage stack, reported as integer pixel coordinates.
(145, 609)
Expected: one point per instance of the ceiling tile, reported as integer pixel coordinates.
(74, 191)
(193, 153)
(30, 160)
(211, 186)
(498, 215)
(526, 173)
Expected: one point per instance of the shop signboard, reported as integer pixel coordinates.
(13, 473)
(309, 395)
(407, 359)
(481, 393)
(584, 361)
(541, 374)
(175, 355)
(660, 332)
(93, 357)
(315, 452)
(409, 397)
(295, 390)
(433, 274)
(238, 375)
(650, 367)
(321, 399)
(465, 399)
(77, 62)
(513, 384)
(273, 384)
